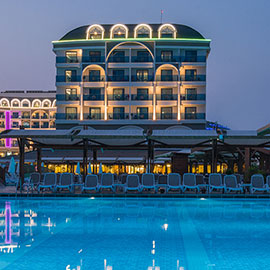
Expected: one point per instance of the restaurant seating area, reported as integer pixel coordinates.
(147, 183)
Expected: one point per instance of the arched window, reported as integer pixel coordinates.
(36, 103)
(4, 102)
(95, 31)
(15, 103)
(119, 31)
(167, 31)
(143, 31)
(26, 103)
(46, 103)
(54, 103)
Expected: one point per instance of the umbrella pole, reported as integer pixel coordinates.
(21, 143)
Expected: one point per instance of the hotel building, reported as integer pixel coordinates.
(145, 75)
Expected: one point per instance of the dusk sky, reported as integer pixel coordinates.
(238, 91)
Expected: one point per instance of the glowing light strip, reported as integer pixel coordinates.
(8, 126)
(8, 223)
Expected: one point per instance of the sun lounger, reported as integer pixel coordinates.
(66, 181)
(91, 183)
(132, 183)
(230, 182)
(34, 181)
(257, 183)
(268, 182)
(200, 182)
(174, 181)
(107, 181)
(189, 182)
(148, 181)
(215, 182)
(48, 182)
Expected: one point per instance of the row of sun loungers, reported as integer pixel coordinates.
(146, 182)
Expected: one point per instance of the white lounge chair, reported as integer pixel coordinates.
(34, 181)
(215, 182)
(189, 182)
(174, 181)
(132, 183)
(107, 181)
(91, 183)
(200, 182)
(49, 181)
(257, 183)
(230, 183)
(148, 181)
(12, 178)
(66, 181)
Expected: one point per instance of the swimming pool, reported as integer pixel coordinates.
(142, 233)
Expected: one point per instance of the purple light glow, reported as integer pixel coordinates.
(8, 223)
(8, 126)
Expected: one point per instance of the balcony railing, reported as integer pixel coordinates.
(25, 116)
(118, 97)
(190, 116)
(63, 59)
(93, 59)
(193, 97)
(167, 97)
(192, 58)
(45, 125)
(141, 97)
(166, 116)
(93, 97)
(67, 97)
(118, 78)
(141, 59)
(15, 116)
(118, 59)
(44, 116)
(67, 116)
(136, 78)
(167, 78)
(167, 59)
(118, 116)
(100, 78)
(35, 126)
(62, 78)
(93, 116)
(36, 116)
(192, 78)
(141, 116)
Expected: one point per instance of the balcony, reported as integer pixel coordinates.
(193, 116)
(167, 78)
(193, 97)
(67, 116)
(124, 78)
(167, 97)
(93, 59)
(118, 59)
(118, 116)
(141, 116)
(136, 78)
(193, 59)
(64, 60)
(172, 59)
(67, 97)
(63, 78)
(93, 116)
(141, 59)
(25, 116)
(45, 125)
(118, 97)
(194, 78)
(93, 97)
(100, 78)
(35, 116)
(35, 125)
(44, 116)
(166, 116)
(15, 116)
(142, 97)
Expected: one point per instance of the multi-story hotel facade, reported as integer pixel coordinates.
(150, 76)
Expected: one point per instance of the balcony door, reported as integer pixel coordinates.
(95, 113)
(71, 94)
(142, 112)
(190, 113)
(166, 75)
(118, 75)
(118, 94)
(71, 113)
(191, 93)
(142, 94)
(142, 75)
(118, 56)
(95, 56)
(94, 94)
(166, 113)
(94, 75)
(166, 56)
(166, 93)
(191, 56)
(118, 113)
(142, 56)
(190, 74)
(71, 75)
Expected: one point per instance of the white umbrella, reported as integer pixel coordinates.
(78, 169)
(12, 164)
(89, 168)
(18, 169)
(100, 168)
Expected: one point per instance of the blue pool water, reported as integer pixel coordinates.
(147, 234)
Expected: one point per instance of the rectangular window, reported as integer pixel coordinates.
(166, 113)
(166, 75)
(71, 57)
(191, 94)
(190, 74)
(119, 75)
(118, 113)
(15, 115)
(191, 56)
(142, 94)
(166, 94)
(118, 56)
(190, 112)
(15, 124)
(71, 94)
(142, 75)
(71, 113)
(71, 75)
(142, 112)
(94, 94)
(95, 113)
(118, 94)
(142, 56)
(95, 56)
(94, 75)
(166, 56)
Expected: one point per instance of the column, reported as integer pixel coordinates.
(214, 156)
(85, 148)
(21, 143)
(105, 101)
(179, 101)
(154, 101)
(81, 101)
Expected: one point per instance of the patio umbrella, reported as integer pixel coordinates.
(18, 168)
(78, 169)
(89, 168)
(12, 164)
(100, 168)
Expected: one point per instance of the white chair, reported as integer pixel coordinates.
(215, 182)
(189, 182)
(148, 181)
(49, 181)
(107, 181)
(132, 183)
(230, 182)
(66, 181)
(257, 183)
(91, 183)
(174, 181)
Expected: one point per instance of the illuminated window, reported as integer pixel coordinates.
(167, 31)
(143, 31)
(71, 113)
(15, 103)
(25, 103)
(36, 103)
(70, 75)
(119, 31)
(71, 57)
(4, 103)
(95, 32)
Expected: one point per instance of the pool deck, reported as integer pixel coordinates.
(10, 191)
